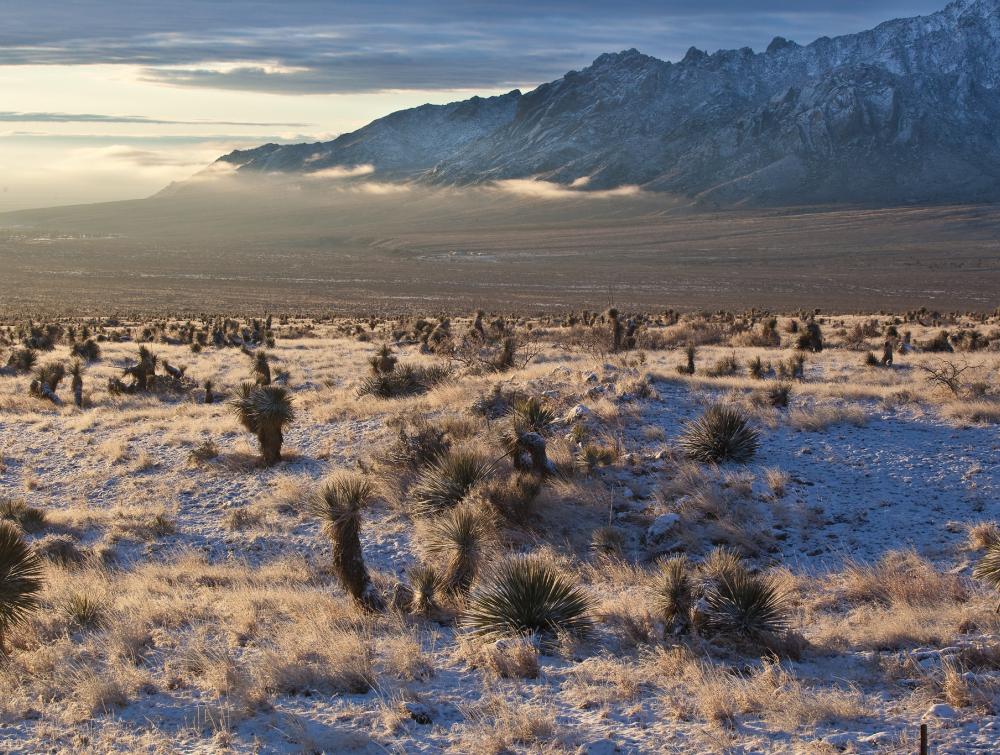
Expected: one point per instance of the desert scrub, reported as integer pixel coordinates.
(722, 433)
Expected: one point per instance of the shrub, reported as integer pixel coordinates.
(20, 579)
(339, 504)
(746, 605)
(417, 444)
(447, 481)
(404, 380)
(722, 433)
(83, 611)
(87, 350)
(29, 518)
(22, 360)
(265, 411)
(527, 595)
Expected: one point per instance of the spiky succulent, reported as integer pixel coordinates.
(20, 579)
(265, 410)
(530, 415)
(527, 595)
(722, 562)
(988, 567)
(460, 537)
(747, 605)
(424, 584)
(673, 591)
(339, 504)
(722, 433)
(447, 481)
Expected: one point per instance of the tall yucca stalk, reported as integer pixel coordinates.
(722, 433)
(20, 579)
(339, 505)
(526, 595)
(266, 411)
(461, 537)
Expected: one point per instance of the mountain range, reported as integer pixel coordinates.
(904, 112)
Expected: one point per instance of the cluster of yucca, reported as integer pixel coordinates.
(720, 596)
(722, 433)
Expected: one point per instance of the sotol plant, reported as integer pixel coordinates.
(265, 411)
(339, 505)
(722, 433)
(526, 595)
(20, 579)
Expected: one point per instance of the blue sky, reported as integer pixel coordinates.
(105, 99)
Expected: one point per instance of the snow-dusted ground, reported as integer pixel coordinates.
(887, 476)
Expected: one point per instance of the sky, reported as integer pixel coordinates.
(114, 99)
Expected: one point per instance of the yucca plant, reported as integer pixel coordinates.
(29, 518)
(608, 542)
(265, 411)
(721, 562)
(22, 360)
(673, 593)
(143, 372)
(261, 368)
(747, 605)
(530, 415)
(76, 373)
(425, 582)
(339, 505)
(460, 537)
(722, 433)
(446, 482)
(383, 362)
(988, 567)
(527, 595)
(20, 579)
(47, 379)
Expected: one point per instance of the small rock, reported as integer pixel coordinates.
(591, 378)
(879, 737)
(420, 713)
(941, 710)
(661, 526)
(840, 740)
(600, 747)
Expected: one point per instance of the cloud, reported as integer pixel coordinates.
(535, 189)
(312, 46)
(338, 172)
(20, 117)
